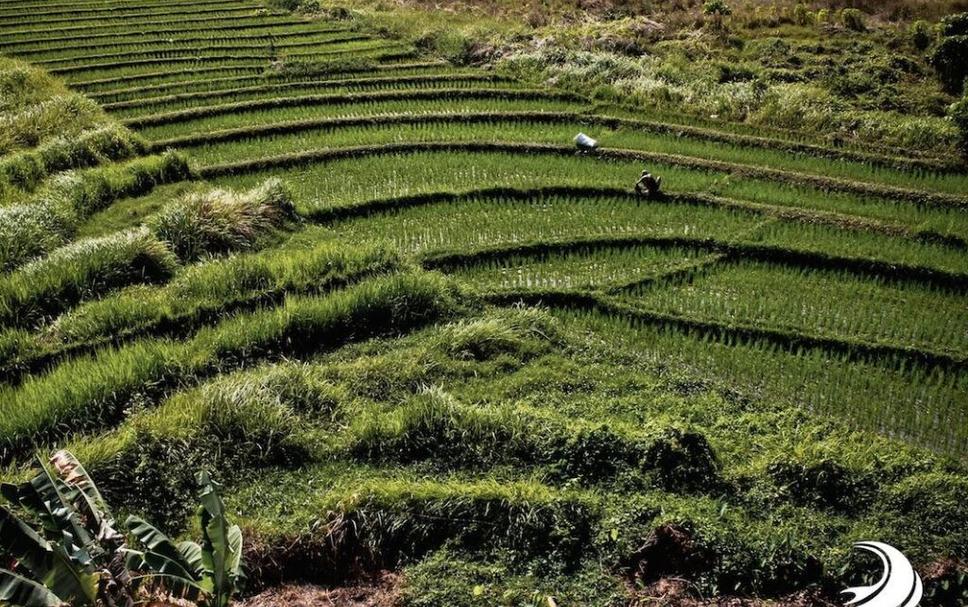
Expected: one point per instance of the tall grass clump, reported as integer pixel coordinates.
(220, 221)
(90, 391)
(51, 217)
(218, 286)
(35, 107)
(82, 270)
(25, 170)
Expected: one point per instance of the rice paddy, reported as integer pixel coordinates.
(381, 292)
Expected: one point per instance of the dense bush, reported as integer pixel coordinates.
(852, 19)
(950, 60)
(921, 34)
(959, 115)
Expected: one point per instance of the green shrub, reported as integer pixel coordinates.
(921, 34)
(853, 19)
(220, 221)
(24, 170)
(825, 485)
(802, 15)
(955, 25)
(950, 61)
(959, 115)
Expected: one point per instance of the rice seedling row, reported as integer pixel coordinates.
(740, 170)
(253, 118)
(260, 24)
(380, 51)
(867, 393)
(220, 56)
(800, 300)
(363, 70)
(172, 48)
(207, 22)
(343, 99)
(554, 128)
(109, 11)
(100, 4)
(688, 179)
(149, 105)
(327, 188)
(117, 41)
(95, 22)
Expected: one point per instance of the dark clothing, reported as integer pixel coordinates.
(648, 185)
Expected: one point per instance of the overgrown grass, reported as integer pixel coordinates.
(91, 391)
(83, 270)
(50, 219)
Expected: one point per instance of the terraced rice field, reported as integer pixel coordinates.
(450, 306)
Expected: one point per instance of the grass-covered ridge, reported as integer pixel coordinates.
(347, 257)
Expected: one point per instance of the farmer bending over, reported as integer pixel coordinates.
(648, 185)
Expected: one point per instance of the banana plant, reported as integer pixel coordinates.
(71, 554)
(208, 573)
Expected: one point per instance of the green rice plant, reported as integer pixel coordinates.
(336, 99)
(156, 25)
(175, 87)
(449, 79)
(80, 271)
(51, 218)
(378, 180)
(136, 55)
(580, 269)
(259, 26)
(90, 391)
(906, 401)
(375, 48)
(220, 221)
(125, 41)
(799, 299)
(361, 107)
(92, 21)
(556, 128)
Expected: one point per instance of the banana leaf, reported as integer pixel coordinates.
(88, 498)
(70, 581)
(161, 555)
(19, 591)
(20, 542)
(222, 543)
